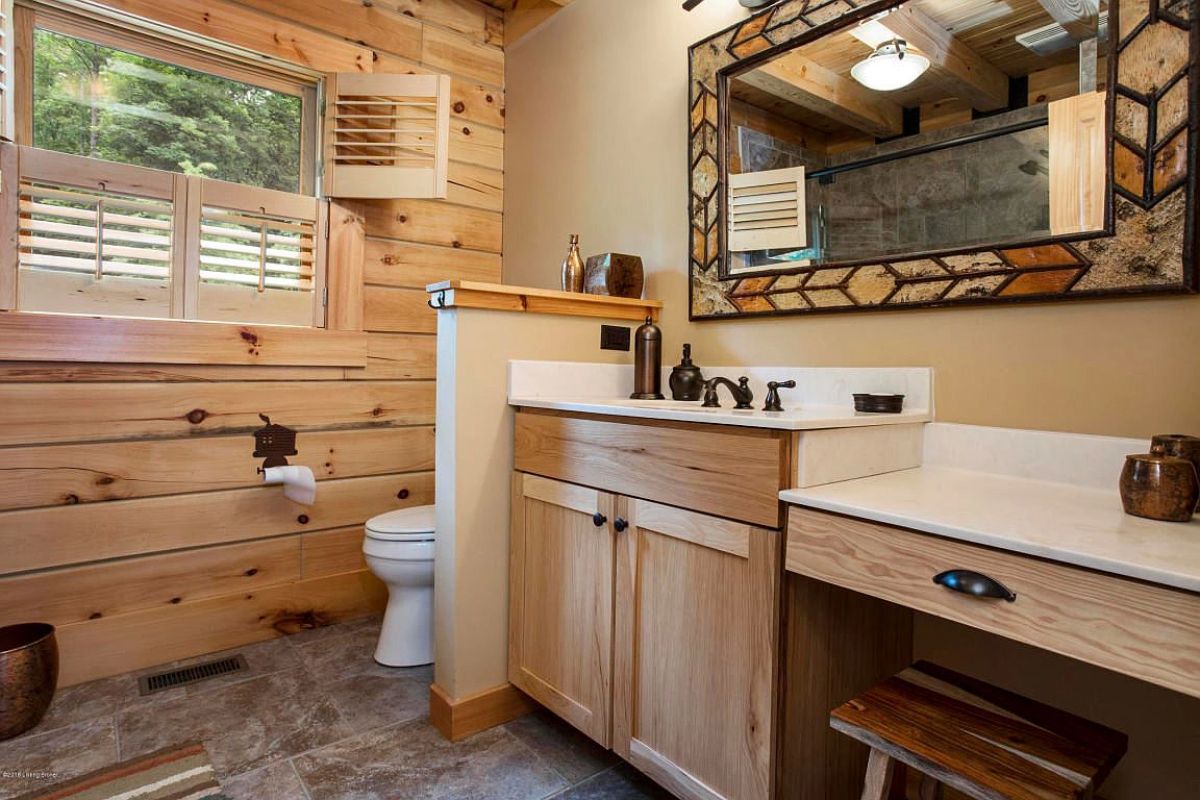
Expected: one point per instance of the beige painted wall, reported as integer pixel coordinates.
(474, 478)
(597, 145)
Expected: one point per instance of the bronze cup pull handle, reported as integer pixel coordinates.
(975, 584)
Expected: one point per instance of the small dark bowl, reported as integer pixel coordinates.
(28, 676)
(879, 403)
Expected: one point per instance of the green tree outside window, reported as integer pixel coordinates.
(96, 101)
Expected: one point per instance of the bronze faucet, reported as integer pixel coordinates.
(740, 391)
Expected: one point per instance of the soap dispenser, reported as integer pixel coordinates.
(647, 369)
(687, 382)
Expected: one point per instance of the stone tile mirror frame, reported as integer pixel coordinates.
(1148, 246)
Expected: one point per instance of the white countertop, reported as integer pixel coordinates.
(1072, 524)
(822, 397)
(805, 417)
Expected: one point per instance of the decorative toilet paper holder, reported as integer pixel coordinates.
(274, 443)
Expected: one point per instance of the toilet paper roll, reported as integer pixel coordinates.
(299, 484)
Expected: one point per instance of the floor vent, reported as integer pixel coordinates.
(170, 679)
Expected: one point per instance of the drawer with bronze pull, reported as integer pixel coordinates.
(1140, 629)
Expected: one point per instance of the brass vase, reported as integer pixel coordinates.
(573, 270)
(28, 676)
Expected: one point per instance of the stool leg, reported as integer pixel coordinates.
(931, 789)
(880, 768)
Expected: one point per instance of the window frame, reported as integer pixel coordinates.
(120, 31)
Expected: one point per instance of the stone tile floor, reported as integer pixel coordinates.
(315, 718)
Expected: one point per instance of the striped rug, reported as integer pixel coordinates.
(178, 773)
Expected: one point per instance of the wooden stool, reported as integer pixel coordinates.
(985, 742)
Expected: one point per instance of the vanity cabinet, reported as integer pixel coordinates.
(638, 615)
(696, 643)
(561, 600)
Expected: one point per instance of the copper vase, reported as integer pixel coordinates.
(1159, 486)
(28, 676)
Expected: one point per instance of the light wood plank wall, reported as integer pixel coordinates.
(131, 515)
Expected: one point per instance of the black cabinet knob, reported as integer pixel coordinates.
(599, 519)
(975, 584)
(621, 525)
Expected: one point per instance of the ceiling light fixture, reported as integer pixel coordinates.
(890, 67)
(688, 5)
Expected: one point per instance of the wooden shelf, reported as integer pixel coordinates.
(497, 297)
(28, 336)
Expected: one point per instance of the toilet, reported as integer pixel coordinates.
(399, 550)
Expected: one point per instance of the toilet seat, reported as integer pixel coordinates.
(414, 524)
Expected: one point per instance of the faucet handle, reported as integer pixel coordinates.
(744, 396)
(773, 387)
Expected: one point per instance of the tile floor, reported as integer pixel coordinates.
(315, 718)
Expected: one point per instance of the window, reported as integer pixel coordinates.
(105, 92)
(158, 177)
(159, 174)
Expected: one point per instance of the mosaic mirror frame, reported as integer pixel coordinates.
(1148, 246)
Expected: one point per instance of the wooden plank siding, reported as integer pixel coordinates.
(131, 512)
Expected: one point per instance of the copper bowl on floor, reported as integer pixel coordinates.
(28, 675)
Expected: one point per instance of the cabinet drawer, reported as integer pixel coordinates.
(729, 472)
(1147, 631)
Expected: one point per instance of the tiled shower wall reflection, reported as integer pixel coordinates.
(981, 193)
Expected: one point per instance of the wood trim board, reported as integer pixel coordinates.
(27, 336)
(458, 719)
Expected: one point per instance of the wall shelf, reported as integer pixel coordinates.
(469, 294)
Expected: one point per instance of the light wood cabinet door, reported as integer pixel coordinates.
(561, 600)
(695, 650)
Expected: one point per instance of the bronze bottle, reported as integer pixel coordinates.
(687, 382)
(647, 367)
(572, 268)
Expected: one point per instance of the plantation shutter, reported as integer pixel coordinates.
(254, 255)
(767, 210)
(7, 121)
(95, 237)
(387, 136)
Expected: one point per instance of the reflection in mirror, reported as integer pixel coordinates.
(938, 125)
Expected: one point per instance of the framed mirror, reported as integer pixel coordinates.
(932, 152)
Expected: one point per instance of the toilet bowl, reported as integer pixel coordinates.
(399, 551)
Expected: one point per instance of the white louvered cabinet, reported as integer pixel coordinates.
(767, 210)
(387, 136)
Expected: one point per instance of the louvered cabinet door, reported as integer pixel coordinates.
(767, 210)
(387, 136)
(94, 237)
(695, 650)
(561, 596)
(254, 255)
